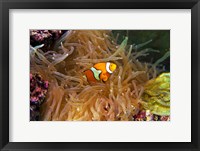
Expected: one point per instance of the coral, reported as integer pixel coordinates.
(146, 115)
(46, 37)
(156, 96)
(38, 90)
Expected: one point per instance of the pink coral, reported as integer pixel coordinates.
(38, 90)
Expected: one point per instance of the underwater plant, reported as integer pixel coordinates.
(71, 95)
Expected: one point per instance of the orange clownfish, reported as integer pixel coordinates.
(100, 72)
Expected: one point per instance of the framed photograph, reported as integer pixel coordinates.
(103, 75)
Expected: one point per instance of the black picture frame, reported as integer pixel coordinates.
(5, 5)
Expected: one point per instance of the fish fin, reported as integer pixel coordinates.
(96, 73)
(105, 79)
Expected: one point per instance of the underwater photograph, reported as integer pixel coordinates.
(99, 75)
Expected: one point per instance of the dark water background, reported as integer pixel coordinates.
(160, 41)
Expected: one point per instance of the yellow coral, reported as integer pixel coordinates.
(156, 96)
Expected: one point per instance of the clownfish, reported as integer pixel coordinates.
(100, 72)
